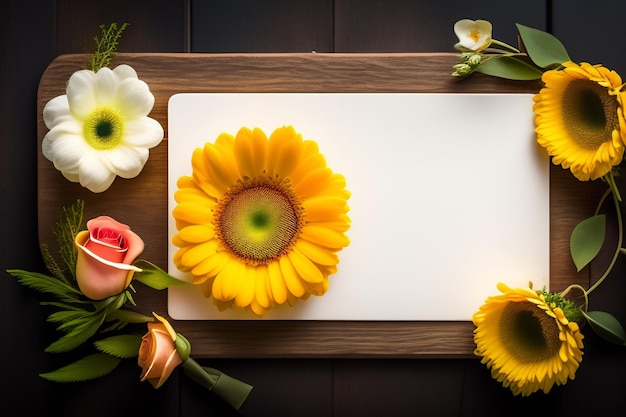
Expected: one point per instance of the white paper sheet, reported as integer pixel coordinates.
(450, 195)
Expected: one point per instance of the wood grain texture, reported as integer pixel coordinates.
(142, 202)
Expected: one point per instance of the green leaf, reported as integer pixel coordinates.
(78, 333)
(127, 316)
(587, 239)
(544, 49)
(46, 284)
(66, 316)
(123, 346)
(508, 67)
(90, 367)
(606, 326)
(154, 277)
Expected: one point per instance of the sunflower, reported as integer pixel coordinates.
(260, 221)
(579, 119)
(526, 339)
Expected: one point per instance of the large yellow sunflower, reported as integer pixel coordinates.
(579, 119)
(525, 338)
(260, 221)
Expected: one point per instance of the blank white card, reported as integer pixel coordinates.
(450, 195)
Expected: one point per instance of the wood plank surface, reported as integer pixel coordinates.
(142, 202)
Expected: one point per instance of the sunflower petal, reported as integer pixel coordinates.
(306, 269)
(292, 280)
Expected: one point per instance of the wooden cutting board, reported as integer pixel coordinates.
(143, 202)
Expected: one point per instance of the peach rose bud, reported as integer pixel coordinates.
(106, 251)
(158, 356)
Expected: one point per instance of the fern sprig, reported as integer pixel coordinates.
(70, 223)
(106, 46)
(53, 266)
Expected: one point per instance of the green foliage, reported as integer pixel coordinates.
(570, 309)
(539, 52)
(127, 316)
(106, 46)
(587, 239)
(79, 318)
(46, 284)
(509, 67)
(183, 347)
(65, 230)
(123, 346)
(85, 369)
(545, 50)
(55, 269)
(79, 322)
(77, 332)
(606, 326)
(154, 277)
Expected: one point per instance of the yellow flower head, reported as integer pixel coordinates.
(260, 221)
(527, 341)
(579, 119)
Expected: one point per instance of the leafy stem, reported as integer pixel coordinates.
(504, 45)
(610, 179)
(582, 290)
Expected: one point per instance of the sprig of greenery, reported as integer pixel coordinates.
(538, 52)
(106, 46)
(70, 223)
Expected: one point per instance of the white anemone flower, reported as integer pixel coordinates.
(100, 129)
(473, 35)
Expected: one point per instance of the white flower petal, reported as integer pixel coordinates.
(69, 153)
(94, 174)
(107, 82)
(71, 177)
(55, 109)
(125, 71)
(144, 132)
(134, 98)
(81, 94)
(67, 133)
(473, 35)
(126, 161)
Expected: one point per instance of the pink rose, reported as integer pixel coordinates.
(158, 356)
(106, 252)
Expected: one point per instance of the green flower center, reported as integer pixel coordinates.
(528, 333)
(104, 128)
(259, 220)
(589, 112)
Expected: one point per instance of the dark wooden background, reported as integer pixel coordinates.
(35, 32)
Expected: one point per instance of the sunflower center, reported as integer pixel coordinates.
(258, 220)
(104, 128)
(589, 112)
(528, 333)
